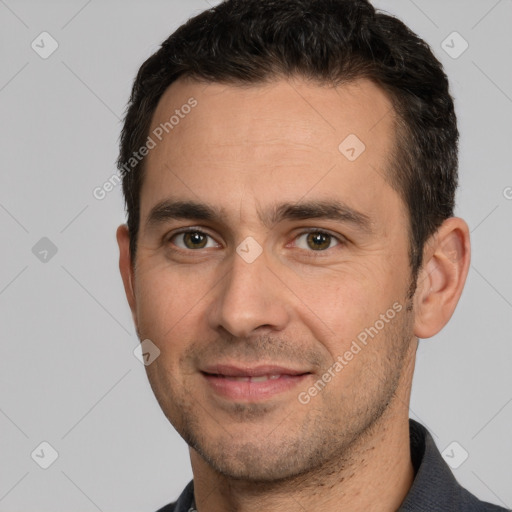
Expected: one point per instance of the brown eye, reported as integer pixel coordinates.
(316, 241)
(194, 240)
(191, 240)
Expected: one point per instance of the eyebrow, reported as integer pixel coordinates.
(319, 209)
(170, 210)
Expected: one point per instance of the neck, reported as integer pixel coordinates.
(376, 475)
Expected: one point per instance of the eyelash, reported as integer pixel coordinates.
(341, 241)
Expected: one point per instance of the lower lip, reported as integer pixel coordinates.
(253, 391)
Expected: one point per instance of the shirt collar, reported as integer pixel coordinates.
(434, 487)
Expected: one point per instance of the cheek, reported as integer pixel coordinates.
(345, 303)
(168, 303)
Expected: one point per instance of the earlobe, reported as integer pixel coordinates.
(126, 267)
(442, 277)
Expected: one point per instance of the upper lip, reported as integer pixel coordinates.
(250, 371)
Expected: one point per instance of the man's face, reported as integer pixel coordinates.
(253, 287)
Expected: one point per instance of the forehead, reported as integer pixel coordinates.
(291, 109)
(287, 137)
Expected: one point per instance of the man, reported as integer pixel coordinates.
(289, 169)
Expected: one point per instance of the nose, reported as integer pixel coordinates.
(249, 298)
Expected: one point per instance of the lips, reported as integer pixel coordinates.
(255, 372)
(259, 378)
(249, 384)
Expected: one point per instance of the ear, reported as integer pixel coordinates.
(442, 277)
(127, 268)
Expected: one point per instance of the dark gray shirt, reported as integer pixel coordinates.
(434, 488)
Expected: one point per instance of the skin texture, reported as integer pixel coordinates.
(245, 150)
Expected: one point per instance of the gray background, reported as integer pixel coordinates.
(68, 375)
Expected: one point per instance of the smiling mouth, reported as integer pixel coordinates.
(258, 378)
(253, 388)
